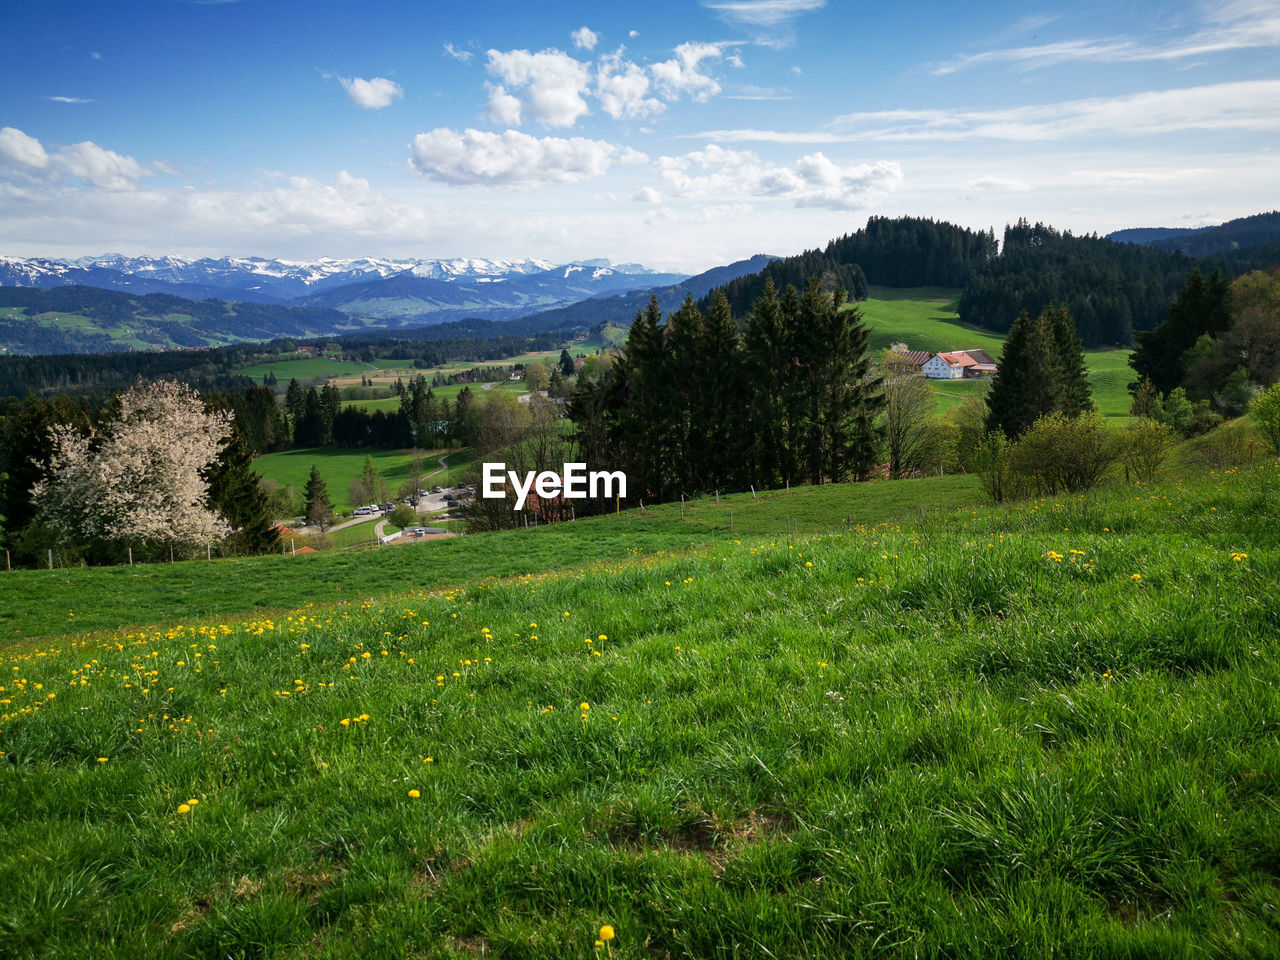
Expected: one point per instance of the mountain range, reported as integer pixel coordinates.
(396, 291)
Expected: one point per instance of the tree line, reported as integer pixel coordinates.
(692, 404)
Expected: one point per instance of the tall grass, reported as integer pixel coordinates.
(1045, 730)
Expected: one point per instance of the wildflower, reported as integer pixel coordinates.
(1136, 576)
(102, 759)
(606, 933)
(414, 794)
(584, 706)
(184, 808)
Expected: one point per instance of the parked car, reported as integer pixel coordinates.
(437, 489)
(363, 511)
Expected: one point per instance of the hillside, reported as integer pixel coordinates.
(89, 320)
(1244, 232)
(731, 749)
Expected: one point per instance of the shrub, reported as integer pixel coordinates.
(1064, 454)
(1144, 445)
(992, 461)
(1266, 414)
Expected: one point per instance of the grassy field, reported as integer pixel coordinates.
(925, 318)
(338, 468)
(1043, 730)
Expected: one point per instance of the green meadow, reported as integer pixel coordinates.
(846, 727)
(339, 467)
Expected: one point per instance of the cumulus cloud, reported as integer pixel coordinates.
(647, 195)
(371, 94)
(101, 167)
(514, 159)
(462, 56)
(19, 150)
(683, 75)
(622, 88)
(812, 181)
(85, 161)
(552, 81)
(505, 109)
(584, 38)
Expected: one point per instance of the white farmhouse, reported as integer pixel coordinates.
(959, 364)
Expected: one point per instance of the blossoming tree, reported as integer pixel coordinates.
(141, 481)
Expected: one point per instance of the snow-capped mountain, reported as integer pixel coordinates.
(277, 281)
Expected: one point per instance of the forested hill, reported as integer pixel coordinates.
(1111, 289)
(1261, 228)
(901, 252)
(90, 320)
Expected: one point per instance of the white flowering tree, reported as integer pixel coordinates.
(142, 480)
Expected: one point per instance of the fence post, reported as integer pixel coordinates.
(131, 556)
(50, 559)
(731, 521)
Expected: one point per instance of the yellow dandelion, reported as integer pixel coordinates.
(584, 705)
(414, 794)
(102, 759)
(184, 808)
(606, 933)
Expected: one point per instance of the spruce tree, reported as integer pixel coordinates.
(765, 357)
(236, 494)
(1077, 398)
(1027, 383)
(315, 498)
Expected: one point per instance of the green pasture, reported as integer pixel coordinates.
(339, 467)
(1048, 729)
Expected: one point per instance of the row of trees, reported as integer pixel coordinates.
(694, 405)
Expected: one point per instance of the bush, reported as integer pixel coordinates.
(403, 516)
(1064, 454)
(1144, 445)
(1266, 414)
(992, 461)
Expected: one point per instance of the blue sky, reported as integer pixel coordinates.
(679, 133)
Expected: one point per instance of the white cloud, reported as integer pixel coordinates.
(633, 34)
(683, 76)
(69, 100)
(1245, 106)
(1239, 25)
(812, 181)
(768, 21)
(371, 94)
(994, 182)
(647, 195)
(584, 38)
(1249, 105)
(553, 83)
(19, 150)
(505, 109)
(512, 158)
(99, 166)
(463, 56)
(85, 161)
(622, 88)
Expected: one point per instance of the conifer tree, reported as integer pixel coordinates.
(1027, 383)
(315, 498)
(237, 496)
(1077, 398)
(765, 358)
